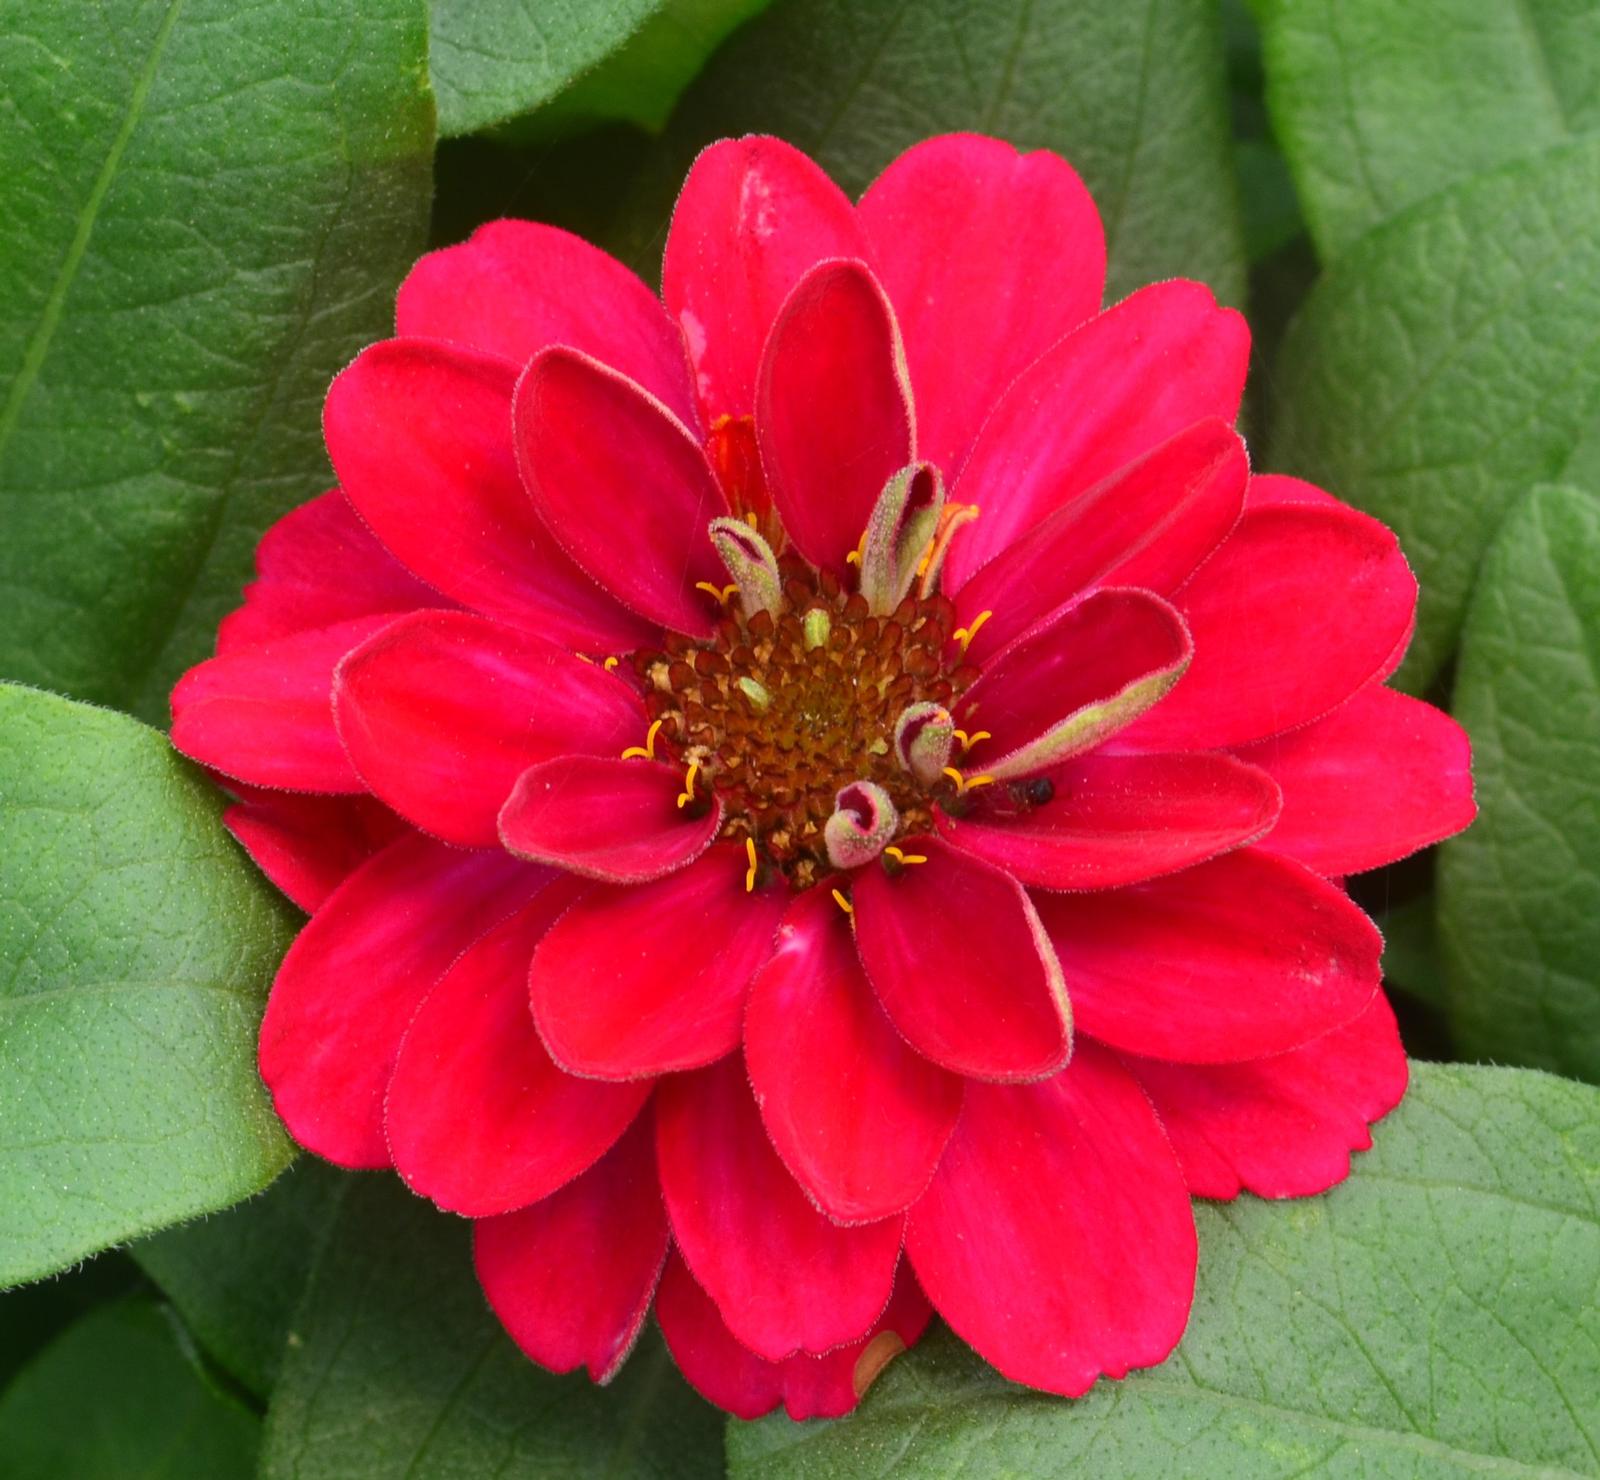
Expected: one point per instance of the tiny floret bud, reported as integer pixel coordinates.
(752, 565)
(924, 737)
(899, 532)
(818, 627)
(864, 822)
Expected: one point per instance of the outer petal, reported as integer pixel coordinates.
(355, 975)
(1300, 608)
(420, 434)
(1283, 1126)
(962, 966)
(1379, 778)
(1161, 360)
(1276, 488)
(864, 1136)
(1056, 1238)
(989, 257)
(517, 287)
(1149, 525)
(571, 1277)
(1118, 819)
(637, 981)
(752, 217)
(622, 484)
(478, 1118)
(609, 819)
(265, 714)
(784, 1278)
(318, 565)
(443, 711)
(1243, 956)
(833, 409)
(737, 1380)
(309, 845)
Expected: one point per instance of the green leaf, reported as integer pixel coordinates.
(1411, 949)
(236, 1278)
(397, 1368)
(1434, 1316)
(1446, 362)
(1379, 105)
(136, 945)
(32, 1315)
(1519, 892)
(207, 208)
(114, 1396)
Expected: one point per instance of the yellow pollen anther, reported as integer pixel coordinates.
(967, 783)
(974, 782)
(755, 866)
(648, 750)
(856, 556)
(752, 519)
(964, 635)
(843, 903)
(687, 794)
(610, 664)
(968, 741)
(722, 593)
(900, 857)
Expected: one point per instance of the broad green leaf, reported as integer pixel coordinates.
(136, 945)
(207, 208)
(236, 1278)
(114, 1396)
(1411, 949)
(1434, 1316)
(1133, 94)
(1519, 892)
(1379, 105)
(32, 1315)
(397, 1368)
(1447, 361)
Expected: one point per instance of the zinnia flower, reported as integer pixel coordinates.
(828, 796)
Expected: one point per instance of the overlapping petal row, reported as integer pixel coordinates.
(669, 1055)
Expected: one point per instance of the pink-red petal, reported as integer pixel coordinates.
(309, 845)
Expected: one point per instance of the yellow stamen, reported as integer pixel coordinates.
(843, 903)
(951, 518)
(968, 741)
(752, 519)
(722, 593)
(610, 664)
(687, 795)
(856, 556)
(648, 750)
(974, 782)
(967, 783)
(900, 857)
(755, 866)
(964, 635)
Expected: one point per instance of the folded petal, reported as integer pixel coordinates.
(1148, 525)
(1056, 1238)
(478, 1118)
(737, 1380)
(1159, 361)
(1087, 671)
(1276, 488)
(1283, 1126)
(1302, 606)
(752, 217)
(956, 954)
(355, 975)
(863, 1137)
(783, 1277)
(833, 409)
(420, 435)
(571, 1277)
(516, 287)
(643, 980)
(1379, 778)
(623, 822)
(1110, 820)
(1243, 956)
(309, 845)
(622, 484)
(442, 711)
(265, 714)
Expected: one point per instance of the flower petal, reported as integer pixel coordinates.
(1276, 488)
(265, 714)
(622, 484)
(752, 217)
(644, 980)
(614, 820)
(1148, 525)
(833, 409)
(1056, 1238)
(737, 1380)
(1379, 778)
(989, 257)
(420, 435)
(784, 1278)
(516, 287)
(355, 975)
(1113, 820)
(957, 956)
(571, 1277)
(1243, 956)
(1301, 606)
(478, 1118)
(1159, 361)
(442, 711)
(864, 1137)
(1283, 1126)
(309, 845)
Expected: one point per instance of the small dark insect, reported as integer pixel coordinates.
(1018, 798)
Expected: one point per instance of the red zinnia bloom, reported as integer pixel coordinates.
(870, 712)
